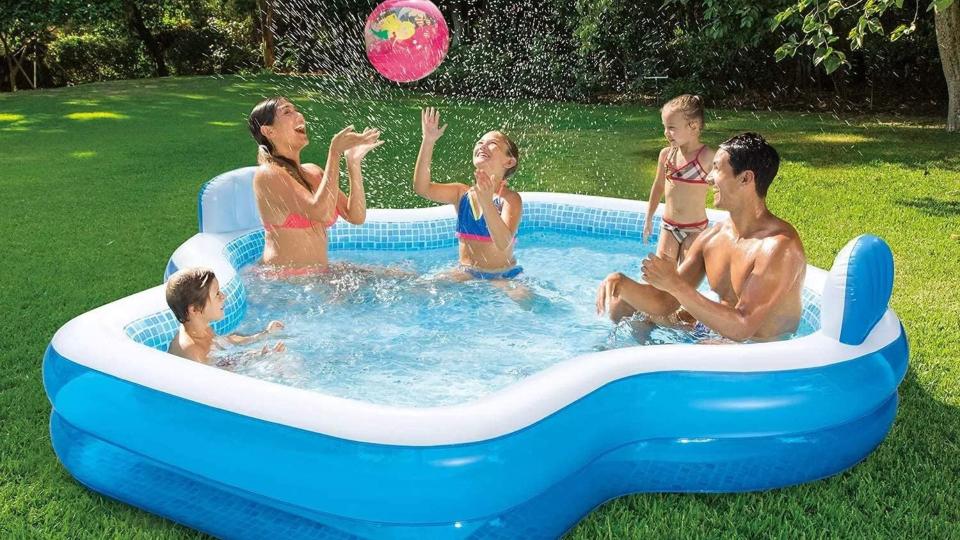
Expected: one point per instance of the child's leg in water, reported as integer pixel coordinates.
(687, 242)
(456, 274)
(668, 246)
(517, 291)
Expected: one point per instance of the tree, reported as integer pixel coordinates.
(265, 9)
(133, 15)
(817, 33)
(21, 23)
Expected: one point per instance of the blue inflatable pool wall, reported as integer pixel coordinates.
(241, 458)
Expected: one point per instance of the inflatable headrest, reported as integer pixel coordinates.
(857, 291)
(227, 204)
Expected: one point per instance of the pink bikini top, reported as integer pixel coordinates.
(298, 221)
(691, 172)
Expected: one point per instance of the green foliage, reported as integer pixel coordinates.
(95, 208)
(506, 49)
(816, 21)
(217, 46)
(82, 58)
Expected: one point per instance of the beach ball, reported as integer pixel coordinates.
(406, 39)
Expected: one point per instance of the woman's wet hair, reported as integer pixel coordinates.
(691, 106)
(751, 152)
(263, 115)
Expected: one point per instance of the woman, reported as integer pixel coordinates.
(298, 202)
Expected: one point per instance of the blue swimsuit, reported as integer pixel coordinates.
(471, 228)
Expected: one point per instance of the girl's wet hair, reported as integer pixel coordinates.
(691, 106)
(263, 115)
(512, 150)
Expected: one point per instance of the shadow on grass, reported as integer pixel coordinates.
(932, 207)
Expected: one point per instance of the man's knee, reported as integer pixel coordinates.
(620, 309)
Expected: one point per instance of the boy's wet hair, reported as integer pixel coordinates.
(691, 106)
(513, 151)
(751, 152)
(189, 287)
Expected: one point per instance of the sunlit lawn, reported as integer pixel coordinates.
(98, 185)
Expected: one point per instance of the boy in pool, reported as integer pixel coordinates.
(195, 298)
(488, 212)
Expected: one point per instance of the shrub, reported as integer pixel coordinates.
(81, 58)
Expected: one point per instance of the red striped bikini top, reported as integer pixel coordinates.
(691, 172)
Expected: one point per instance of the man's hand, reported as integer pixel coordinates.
(661, 273)
(608, 292)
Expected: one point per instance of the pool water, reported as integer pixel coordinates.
(388, 327)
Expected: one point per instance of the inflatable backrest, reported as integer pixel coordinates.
(226, 203)
(857, 291)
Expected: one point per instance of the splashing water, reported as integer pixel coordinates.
(389, 327)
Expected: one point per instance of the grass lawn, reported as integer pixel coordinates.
(98, 185)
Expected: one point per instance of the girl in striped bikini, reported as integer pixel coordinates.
(681, 175)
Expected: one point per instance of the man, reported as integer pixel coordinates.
(754, 261)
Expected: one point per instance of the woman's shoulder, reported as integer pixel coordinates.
(265, 171)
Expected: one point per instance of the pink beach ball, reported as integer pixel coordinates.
(406, 39)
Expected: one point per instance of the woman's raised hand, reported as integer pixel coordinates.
(347, 138)
(356, 154)
(430, 120)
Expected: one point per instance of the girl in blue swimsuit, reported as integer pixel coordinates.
(488, 212)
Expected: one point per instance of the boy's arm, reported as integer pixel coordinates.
(238, 339)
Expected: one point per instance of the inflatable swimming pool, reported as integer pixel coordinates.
(240, 457)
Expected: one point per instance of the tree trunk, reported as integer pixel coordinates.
(8, 54)
(265, 8)
(135, 20)
(947, 22)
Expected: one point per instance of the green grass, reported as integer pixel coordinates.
(98, 185)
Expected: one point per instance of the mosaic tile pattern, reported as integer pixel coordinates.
(583, 219)
(245, 249)
(156, 330)
(810, 318)
(437, 233)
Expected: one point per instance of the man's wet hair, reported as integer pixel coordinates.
(751, 152)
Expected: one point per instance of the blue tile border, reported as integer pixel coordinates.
(158, 329)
